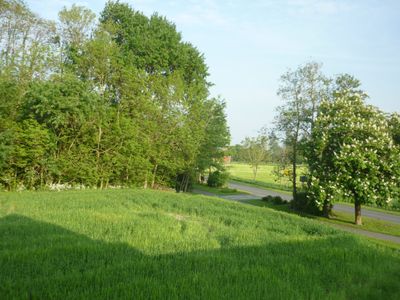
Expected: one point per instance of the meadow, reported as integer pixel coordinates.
(265, 177)
(140, 244)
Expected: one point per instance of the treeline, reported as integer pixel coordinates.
(272, 150)
(118, 101)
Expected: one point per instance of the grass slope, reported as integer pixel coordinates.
(339, 218)
(144, 244)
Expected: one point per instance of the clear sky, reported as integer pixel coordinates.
(249, 44)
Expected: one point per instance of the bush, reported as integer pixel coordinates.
(303, 203)
(217, 179)
(396, 205)
(277, 200)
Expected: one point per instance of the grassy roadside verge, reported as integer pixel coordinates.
(262, 185)
(288, 191)
(386, 211)
(384, 243)
(223, 191)
(340, 218)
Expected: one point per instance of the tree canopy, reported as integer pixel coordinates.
(302, 90)
(353, 154)
(122, 101)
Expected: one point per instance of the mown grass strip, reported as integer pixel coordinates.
(340, 218)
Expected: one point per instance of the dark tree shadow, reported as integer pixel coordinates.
(287, 209)
(39, 260)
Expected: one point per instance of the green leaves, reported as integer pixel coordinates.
(353, 152)
(255, 151)
(123, 102)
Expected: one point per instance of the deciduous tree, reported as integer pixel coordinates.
(302, 90)
(354, 154)
(256, 150)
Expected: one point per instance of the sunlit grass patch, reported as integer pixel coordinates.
(265, 176)
(148, 244)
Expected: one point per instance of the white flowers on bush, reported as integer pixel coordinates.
(64, 187)
(352, 152)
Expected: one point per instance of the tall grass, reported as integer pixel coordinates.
(144, 244)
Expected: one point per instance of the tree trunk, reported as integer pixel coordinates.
(255, 169)
(187, 183)
(326, 209)
(98, 149)
(153, 180)
(294, 166)
(145, 180)
(182, 183)
(357, 213)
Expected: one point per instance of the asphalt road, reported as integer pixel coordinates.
(260, 192)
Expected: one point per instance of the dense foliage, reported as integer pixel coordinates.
(301, 90)
(217, 179)
(303, 202)
(353, 154)
(121, 102)
(351, 149)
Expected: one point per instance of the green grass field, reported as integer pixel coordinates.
(139, 244)
(244, 171)
(265, 177)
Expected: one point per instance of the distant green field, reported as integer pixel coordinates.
(135, 244)
(265, 176)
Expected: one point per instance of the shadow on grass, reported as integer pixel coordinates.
(286, 208)
(42, 260)
(342, 220)
(336, 218)
(278, 207)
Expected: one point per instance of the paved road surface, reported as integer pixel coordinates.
(259, 193)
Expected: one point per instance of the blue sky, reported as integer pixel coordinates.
(249, 44)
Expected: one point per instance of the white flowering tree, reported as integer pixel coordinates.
(353, 154)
